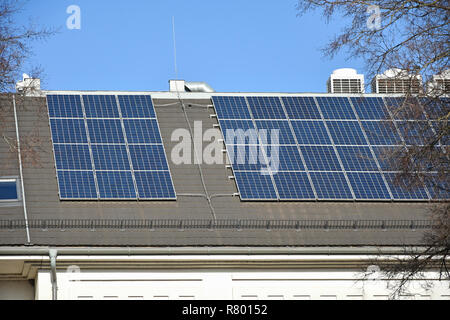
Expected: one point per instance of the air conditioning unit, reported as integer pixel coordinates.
(439, 84)
(397, 81)
(29, 86)
(345, 80)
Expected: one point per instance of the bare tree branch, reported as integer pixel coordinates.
(414, 36)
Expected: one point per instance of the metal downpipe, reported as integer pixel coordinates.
(53, 254)
(27, 229)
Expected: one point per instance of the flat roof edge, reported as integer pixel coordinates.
(208, 95)
(326, 250)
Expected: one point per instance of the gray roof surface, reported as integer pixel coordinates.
(43, 203)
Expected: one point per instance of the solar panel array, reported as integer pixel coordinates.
(108, 147)
(313, 148)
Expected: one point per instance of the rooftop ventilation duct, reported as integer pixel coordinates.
(397, 81)
(345, 80)
(192, 86)
(195, 86)
(29, 86)
(439, 84)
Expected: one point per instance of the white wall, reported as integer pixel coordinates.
(226, 284)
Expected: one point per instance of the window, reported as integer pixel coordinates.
(9, 191)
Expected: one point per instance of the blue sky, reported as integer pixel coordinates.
(247, 46)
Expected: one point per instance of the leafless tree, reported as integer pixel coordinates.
(15, 44)
(15, 50)
(413, 36)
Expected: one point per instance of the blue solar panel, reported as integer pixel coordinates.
(400, 191)
(100, 106)
(105, 131)
(386, 154)
(266, 108)
(246, 157)
(115, 185)
(405, 108)
(239, 131)
(336, 108)
(320, 158)
(329, 155)
(381, 133)
(301, 108)
(142, 131)
(110, 157)
(107, 148)
(435, 108)
(331, 185)
(311, 132)
(440, 127)
(76, 185)
(68, 131)
(346, 132)
(236, 124)
(64, 106)
(357, 158)
(72, 157)
(148, 157)
(154, 185)
(416, 132)
(368, 186)
(275, 132)
(231, 108)
(391, 157)
(293, 186)
(284, 158)
(370, 108)
(255, 186)
(136, 106)
(438, 186)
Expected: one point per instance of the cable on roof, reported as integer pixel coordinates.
(191, 195)
(217, 195)
(166, 104)
(200, 105)
(190, 105)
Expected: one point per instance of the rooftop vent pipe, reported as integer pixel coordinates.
(196, 86)
(29, 86)
(192, 86)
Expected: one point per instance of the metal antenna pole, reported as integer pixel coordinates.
(174, 47)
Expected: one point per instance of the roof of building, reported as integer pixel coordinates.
(188, 221)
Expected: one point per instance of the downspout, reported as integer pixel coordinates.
(52, 254)
(21, 173)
